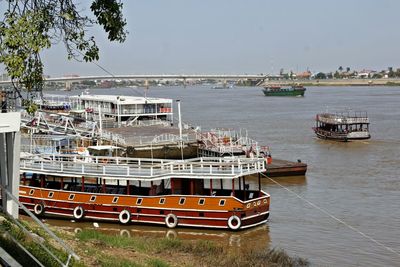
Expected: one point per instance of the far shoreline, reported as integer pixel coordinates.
(337, 82)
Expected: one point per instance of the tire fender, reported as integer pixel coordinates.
(234, 222)
(124, 217)
(78, 213)
(38, 209)
(171, 221)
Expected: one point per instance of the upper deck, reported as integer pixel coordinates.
(137, 169)
(343, 118)
(122, 107)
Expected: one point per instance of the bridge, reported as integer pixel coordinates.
(157, 77)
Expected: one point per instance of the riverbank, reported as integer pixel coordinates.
(97, 248)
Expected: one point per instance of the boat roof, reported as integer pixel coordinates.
(123, 100)
(104, 147)
(53, 137)
(343, 118)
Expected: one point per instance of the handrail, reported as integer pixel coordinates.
(70, 252)
(146, 169)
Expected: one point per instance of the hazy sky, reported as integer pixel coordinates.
(253, 36)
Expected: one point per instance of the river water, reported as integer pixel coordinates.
(356, 182)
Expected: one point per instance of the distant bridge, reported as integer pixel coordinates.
(157, 76)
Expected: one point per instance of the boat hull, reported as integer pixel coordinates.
(296, 92)
(342, 137)
(234, 215)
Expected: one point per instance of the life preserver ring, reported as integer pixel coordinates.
(78, 213)
(124, 217)
(234, 222)
(171, 221)
(38, 209)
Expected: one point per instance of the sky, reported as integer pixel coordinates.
(237, 37)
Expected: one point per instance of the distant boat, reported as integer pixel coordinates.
(221, 86)
(276, 90)
(342, 126)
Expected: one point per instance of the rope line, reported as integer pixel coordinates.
(335, 218)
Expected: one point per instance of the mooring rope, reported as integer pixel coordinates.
(335, 218)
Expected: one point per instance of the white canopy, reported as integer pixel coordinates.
(104, 147)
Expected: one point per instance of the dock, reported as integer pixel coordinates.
(280, 167)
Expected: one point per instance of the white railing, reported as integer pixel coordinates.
(142, 169)
(56, 239)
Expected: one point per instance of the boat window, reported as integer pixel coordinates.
(182, 201)
(251, 195)
(71, 197)
(265, 201)
(162, 201)
(222, 202)
(92, 198)
(115, 199)
(201, 201)
(31, 192)
(139, 201)
(50, 195)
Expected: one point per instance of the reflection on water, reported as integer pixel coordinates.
(254, 237)
(299, 180)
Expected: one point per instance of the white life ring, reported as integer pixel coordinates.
(171, 220)
(38, 209)
(79, 212)
(124, 217)
(234, 222)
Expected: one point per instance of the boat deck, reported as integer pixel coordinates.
(141, 169)
(280, 167)
(153, 134)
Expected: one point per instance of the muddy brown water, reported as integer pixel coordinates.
(357, 182)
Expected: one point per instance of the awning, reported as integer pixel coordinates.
(104, 147)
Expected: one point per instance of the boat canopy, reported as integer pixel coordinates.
(104, 147)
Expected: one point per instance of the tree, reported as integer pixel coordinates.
(340, 68)
(336, 75)
(348, 69)
(30, 26)
(320, 76)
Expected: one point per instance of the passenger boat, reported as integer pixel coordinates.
(173, 193)
(274, 90)
(342, 126)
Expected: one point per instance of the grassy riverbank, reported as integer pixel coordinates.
(141, 251)
(99, 249)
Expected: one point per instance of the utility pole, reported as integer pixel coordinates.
(180, 126)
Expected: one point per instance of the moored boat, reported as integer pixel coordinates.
(128, 190)
(342, 126)
(276, 90)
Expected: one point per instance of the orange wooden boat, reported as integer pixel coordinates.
(128, 190)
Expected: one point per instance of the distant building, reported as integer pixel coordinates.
(366, 73)
(306, 75)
